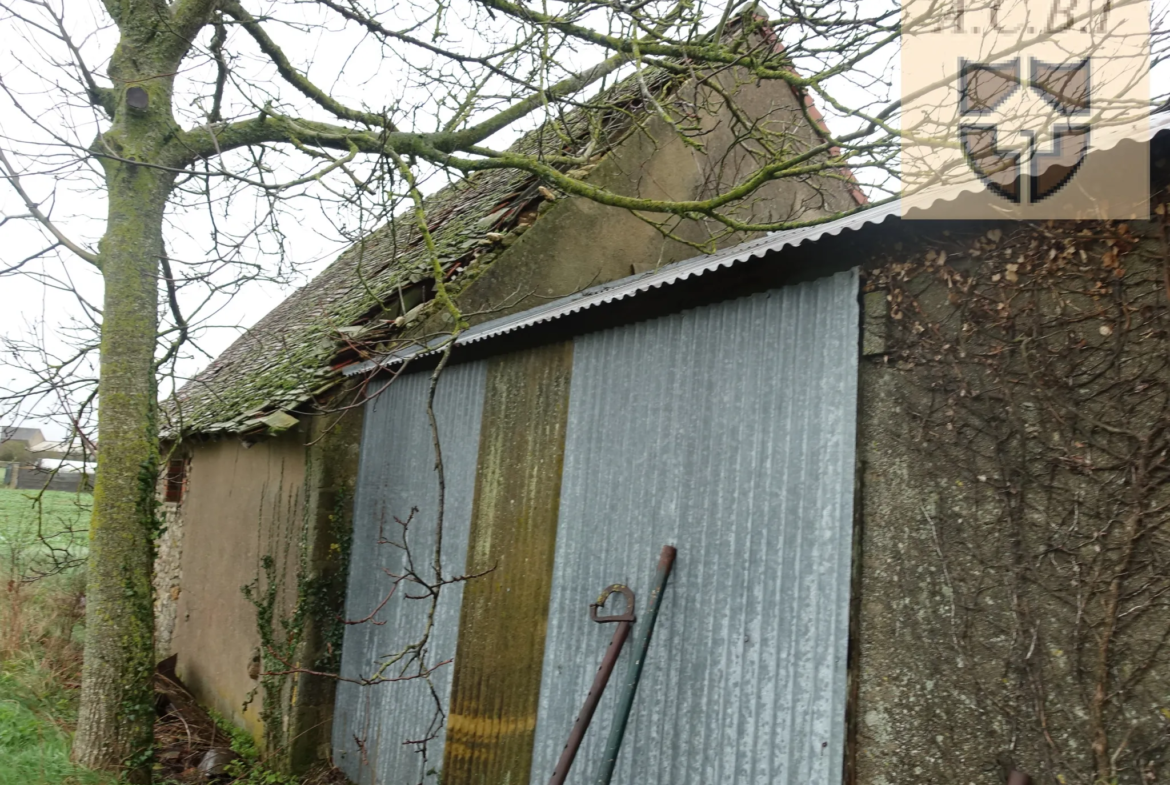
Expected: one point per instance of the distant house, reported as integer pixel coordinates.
(51, 449)
(33, 463)
(35, 443)
(28, 436)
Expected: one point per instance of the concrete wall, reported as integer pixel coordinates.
(241, 504)
(580, 243)
(1015, 401)
(30, 478)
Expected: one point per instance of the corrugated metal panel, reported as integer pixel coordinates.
(727, 431)
(396, 474)
(492, 716)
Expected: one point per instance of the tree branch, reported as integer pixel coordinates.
(187, 18)
(299, 81)
(176, 312)
(34, 209)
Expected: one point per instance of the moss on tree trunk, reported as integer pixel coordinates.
(117, 707)
(115, 724)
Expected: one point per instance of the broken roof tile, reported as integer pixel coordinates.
(288, 352)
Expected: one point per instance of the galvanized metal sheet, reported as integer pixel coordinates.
(727, 431)
(373, 724)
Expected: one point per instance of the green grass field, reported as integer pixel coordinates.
(41, 635)
(40, 532)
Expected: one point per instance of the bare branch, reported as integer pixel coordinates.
(34, 209)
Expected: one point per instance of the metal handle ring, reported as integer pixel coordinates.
(617, 588)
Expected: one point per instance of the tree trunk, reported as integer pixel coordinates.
(115, 725)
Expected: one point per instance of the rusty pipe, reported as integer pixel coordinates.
(626, 703)
(624, 621)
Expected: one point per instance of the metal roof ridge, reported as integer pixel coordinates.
(630, 286)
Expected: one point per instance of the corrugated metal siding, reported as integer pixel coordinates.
(729, 432)
(396, 474)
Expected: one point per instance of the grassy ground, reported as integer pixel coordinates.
(41, 533)
(42, 631)
(41, 636)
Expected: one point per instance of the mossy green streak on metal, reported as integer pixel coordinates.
(499, 659)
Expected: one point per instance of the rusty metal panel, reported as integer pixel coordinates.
(513, 531)
(373, 724)
(727, 431)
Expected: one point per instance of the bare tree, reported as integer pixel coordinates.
(202, 126)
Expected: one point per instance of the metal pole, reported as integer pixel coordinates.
(624, 621)
(626, 701)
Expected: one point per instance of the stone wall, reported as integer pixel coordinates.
(168, 575)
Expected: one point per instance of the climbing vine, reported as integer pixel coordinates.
(1034, 366)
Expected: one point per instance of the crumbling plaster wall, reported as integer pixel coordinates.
(287, 497)
(1014, 552)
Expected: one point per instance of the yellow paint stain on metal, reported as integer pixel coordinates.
(496, 683)
(468, 735)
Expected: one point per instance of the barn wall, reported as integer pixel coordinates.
(580, 243)
(397, 484)
(727, 431)
(242, 504)
(492, 719)
(1014, 409)
(333, 456)
(168, 576)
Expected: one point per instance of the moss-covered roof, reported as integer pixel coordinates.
(297, 350)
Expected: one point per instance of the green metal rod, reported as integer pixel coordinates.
(626, 701)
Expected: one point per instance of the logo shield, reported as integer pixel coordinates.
(985, 87)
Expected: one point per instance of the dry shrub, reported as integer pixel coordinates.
(41, 620)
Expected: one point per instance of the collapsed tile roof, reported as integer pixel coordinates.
(297, 351)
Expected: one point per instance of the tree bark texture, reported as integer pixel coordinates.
(117, 706)
(115, 723)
